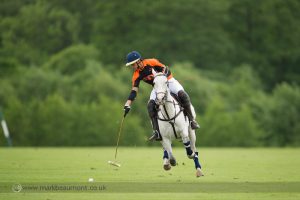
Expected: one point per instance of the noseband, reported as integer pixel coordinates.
(164, 99)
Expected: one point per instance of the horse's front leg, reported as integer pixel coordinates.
(167, 154)
(187, 144)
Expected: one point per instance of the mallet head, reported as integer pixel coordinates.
(114, 163)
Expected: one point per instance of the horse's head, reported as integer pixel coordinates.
(160, 87)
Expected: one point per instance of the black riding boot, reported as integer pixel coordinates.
(186, 103)
(153, 116)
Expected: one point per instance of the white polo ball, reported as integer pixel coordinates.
(91, 180)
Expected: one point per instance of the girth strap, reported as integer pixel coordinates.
(174, 131)
(171, 120)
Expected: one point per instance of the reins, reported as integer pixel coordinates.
(167, 118)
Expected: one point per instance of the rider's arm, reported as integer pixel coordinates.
(132, 96)
(158, 66)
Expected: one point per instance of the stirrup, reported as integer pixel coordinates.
(155, 136)
(194, 125)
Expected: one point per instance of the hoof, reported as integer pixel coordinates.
(173, 161)
(199, 172)
(167, 167)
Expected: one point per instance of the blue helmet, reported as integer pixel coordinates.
(133, 57)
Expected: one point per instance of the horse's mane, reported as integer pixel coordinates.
(159, 74)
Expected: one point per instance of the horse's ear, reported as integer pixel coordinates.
(154, 72)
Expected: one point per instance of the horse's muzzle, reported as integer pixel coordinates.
(161, 98)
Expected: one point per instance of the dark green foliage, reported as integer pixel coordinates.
(266, 35)
(72, 59)
(36, 32)
(278, 115)
(154, 28)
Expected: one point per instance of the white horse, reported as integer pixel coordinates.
(173, 124)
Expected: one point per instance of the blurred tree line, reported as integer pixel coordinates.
(63, 80)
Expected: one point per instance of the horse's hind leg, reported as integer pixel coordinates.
(196, 158)
(192, 137)
(198, 166)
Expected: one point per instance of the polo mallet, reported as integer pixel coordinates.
(115, 163)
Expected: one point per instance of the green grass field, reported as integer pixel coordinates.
(230, 173)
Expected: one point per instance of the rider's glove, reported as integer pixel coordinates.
(126, 110)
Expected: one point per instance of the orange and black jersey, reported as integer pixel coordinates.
(145, 73)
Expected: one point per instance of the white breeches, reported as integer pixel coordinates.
(174, 87)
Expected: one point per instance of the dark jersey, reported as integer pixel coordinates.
(145, 73)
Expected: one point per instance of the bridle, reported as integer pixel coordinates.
(163, 103)
(164, 99)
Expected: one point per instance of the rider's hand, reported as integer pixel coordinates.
(126, 110)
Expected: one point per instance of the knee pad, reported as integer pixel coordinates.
(152, 108)
(184, 98)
